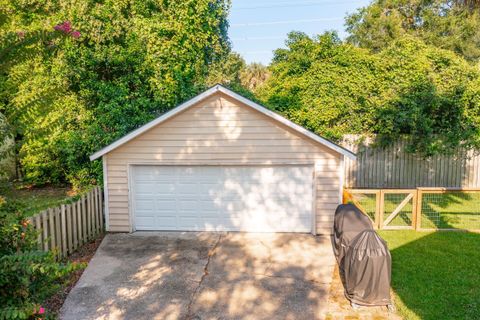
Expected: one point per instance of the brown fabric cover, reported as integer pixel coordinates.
(363, 257)
(349, 222)
(367, 270)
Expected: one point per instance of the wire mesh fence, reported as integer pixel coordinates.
(421, 208)
(450, 210)
(366, 201)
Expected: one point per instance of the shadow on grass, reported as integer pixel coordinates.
(451, 210)
(435, 275)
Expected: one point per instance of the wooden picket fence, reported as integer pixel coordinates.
(420, 209)
(69, 226)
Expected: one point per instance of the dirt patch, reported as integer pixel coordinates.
(82, 255)
(339, 307)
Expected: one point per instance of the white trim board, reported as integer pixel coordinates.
(230, 93)
(105, 193)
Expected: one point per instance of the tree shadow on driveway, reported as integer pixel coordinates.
(204, 276)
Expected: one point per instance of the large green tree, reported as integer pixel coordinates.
(77, 74)
(447, 24)
(409, 88)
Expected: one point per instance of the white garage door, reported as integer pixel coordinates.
(214, 198)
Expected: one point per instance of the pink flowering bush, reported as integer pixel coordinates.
(76, 34)
(66, 28)
(27, 276)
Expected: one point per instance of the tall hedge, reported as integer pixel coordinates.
(334, 88)
(77, 74)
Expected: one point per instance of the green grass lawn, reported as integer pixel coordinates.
(33, 200)
(435, 275)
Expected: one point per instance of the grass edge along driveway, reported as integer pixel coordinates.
(435, 275)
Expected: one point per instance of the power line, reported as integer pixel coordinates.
(283, 22)
(284, 2)
(295, 4)
(298, 4)
(256, 52)
(257, 38)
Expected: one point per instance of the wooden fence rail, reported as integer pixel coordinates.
(420, 208)
(67, 227)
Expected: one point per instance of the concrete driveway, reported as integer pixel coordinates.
(204, 276)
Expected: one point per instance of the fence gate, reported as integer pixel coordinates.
(387, 208)
(397, 209)
(425, 209)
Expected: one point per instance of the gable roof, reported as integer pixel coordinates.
(219, 88)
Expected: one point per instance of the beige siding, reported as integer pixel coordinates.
(222, 131)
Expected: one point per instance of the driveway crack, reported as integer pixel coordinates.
(211, 253)
(270, 258)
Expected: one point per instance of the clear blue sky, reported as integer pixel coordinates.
(257, 27)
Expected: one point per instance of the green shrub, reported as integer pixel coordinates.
(430, 95)
(26, 279)
(27, 276)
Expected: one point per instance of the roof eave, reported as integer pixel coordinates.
(167, 115)
(289, 123)
(207, 93)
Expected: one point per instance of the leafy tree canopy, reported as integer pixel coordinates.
(254, 75)
(77, 74)
(447, 24)
(236, 74)
(335, 88)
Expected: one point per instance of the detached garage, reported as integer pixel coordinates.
(220, 162)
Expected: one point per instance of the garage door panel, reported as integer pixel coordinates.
(167, 222)
(159, 188)
(150, 172)
(145, 220)
(146, 204)
(146, 187)
(191, 205)
(165, 188)
(206, 205)
(184, 188)
(215, 198)
(188, 223)
(214, 214)
(166, 205)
